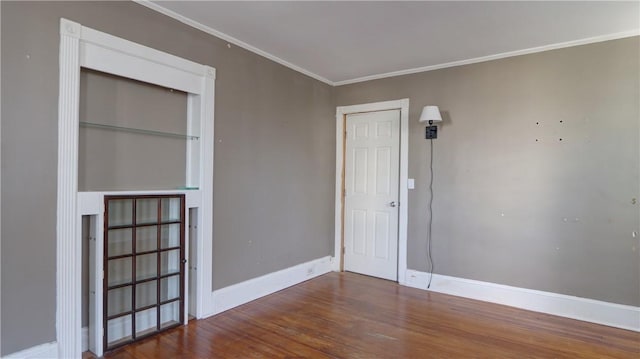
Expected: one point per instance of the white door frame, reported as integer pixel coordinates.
(81, 46)
(341, 113)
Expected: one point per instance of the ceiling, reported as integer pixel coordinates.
(341, 42)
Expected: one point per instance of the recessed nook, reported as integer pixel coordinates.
(87, 54)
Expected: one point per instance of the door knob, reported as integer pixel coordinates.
(392, 204)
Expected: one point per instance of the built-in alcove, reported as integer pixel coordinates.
(132, 136)
(133, 122)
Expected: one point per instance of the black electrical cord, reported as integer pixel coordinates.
(430, 213)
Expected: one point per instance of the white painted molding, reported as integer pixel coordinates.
(197, 25)
(113, 55)
(210, 72)
(83, 46)
(68, 274)
(204, 241)
(70, 28)
(124, 47)
(588, 310)
(42, 351)
(85, 339)
(341, 111)
(590, 40)
(241, 293)
(185, 20)
(611, 314)
(222, 299)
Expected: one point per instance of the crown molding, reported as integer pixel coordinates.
(211, 31)
(560, 45)
(230, 39)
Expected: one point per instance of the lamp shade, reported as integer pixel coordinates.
(430, 114)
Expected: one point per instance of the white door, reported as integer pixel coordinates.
(371, 193)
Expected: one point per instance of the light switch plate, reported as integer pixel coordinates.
(411, 183)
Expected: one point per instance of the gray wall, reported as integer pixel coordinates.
(512, 203)
(274, 155)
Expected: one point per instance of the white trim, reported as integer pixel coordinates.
(82, 46)
(204, 244)
(221, 35)
(341, 111)
(611, 314)
(244, 45)
(100, 39)
(113, 55)
(42, 351)
(85, 339)
(588, 310)
(590, 40)
(252, 289)
(68, 247)
(223, 299)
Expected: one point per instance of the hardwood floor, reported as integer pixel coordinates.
(345, 315)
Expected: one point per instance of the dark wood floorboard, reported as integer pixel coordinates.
(345, 315)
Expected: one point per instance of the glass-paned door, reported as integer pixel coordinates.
(144, 274)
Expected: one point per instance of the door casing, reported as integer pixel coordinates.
(341, 113)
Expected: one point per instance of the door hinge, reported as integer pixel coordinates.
(344, 249)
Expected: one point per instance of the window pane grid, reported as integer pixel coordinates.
(144, 280)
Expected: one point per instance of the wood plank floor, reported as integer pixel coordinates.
(345, 315)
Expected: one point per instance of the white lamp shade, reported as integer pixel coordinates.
(430, 113)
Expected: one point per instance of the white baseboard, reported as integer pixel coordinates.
(49, 350)
(42, 351)
(589, 310)
(223, 299)
(241, 293)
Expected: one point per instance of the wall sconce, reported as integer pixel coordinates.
(431, 114)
